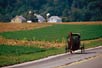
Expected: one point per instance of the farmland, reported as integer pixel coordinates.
(17, 54)
(4, 27)
(57, 32)
(26, 42)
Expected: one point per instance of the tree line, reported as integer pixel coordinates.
(68, 10)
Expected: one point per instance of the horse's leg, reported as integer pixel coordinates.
(71, 52)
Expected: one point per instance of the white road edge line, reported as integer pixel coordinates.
(50, 57)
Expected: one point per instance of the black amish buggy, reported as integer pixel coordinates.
(73, 43)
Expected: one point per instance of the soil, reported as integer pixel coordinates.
(5, 27)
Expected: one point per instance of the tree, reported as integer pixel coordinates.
(70, 10)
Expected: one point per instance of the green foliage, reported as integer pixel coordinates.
(90, 10)
(56, 32)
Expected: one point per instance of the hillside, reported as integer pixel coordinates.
(69, 10)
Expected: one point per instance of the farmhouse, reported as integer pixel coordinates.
(54, 19)
(18, 19)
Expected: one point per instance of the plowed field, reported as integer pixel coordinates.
(4, 27)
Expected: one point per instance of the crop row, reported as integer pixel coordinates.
(57, 32)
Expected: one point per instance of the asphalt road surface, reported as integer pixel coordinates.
(93, 62)
(68, 60)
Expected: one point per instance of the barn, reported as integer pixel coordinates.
(18, 19)
(40, 18)
(55, 19)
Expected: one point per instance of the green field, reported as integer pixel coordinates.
(19, 50)
(17, 54)
(57, 32)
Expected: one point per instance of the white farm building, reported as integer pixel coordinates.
(18, 19)
(55, 19)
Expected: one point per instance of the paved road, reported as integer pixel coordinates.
(64, 59)
(93, 62)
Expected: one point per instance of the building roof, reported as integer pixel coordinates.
(53, 19)
(21, 17)
(40, 18)
(18, 19)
